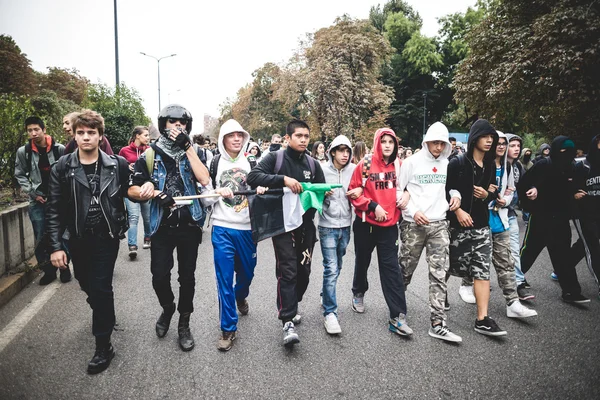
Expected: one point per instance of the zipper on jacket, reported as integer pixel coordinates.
(76, 203)
(110, 232)
(472, 183)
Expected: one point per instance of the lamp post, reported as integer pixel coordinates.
(158, 63)
(116, 48)
(424, 112)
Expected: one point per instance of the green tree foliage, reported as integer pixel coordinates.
(536, 62)
(122, 110)
(16, 75)
(68, 84)
(14, 109)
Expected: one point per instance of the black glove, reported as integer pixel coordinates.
(165, 200)
(183, 140)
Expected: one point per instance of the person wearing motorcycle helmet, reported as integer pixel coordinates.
(176, 170)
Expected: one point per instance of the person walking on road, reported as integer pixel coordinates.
(138, 143)
(32, 172)
(375, 227)
(294, 249)
(85, 204)
(172, 167)
(234, 250)
(424, 224)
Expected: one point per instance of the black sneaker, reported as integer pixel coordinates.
(524, 293)
(527, 285)
(48, 278)
(575, 298)
(65, 275)
(132, 252)
(488, 326)
(101, 360)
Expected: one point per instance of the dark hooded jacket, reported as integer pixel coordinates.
(517, 170)
(587, 178)
(540, 155)
(553, 179)
(464, 173)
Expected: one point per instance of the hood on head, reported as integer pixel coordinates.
(510, 137)
(480, 128)
(502, 135)
(377, 154)
(593, 155)
(543, 147)
(231, 126)
(437, 131)
(338, 141)
(562, 159)
(252, 145)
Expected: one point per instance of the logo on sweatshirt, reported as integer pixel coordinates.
(435, 170)
(383, 180)
(431, 179)
(306, 175)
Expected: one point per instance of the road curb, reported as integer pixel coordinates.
(11, 285)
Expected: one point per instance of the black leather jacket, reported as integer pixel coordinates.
(70, 196)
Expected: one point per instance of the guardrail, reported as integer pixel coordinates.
(17, 241)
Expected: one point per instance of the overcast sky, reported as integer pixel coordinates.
(218, 43)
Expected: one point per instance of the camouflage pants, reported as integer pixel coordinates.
(435, 238)
(504, 264)
(470, 253)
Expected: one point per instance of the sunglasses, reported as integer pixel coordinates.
(183, 121)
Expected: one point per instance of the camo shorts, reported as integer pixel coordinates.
(470, 253)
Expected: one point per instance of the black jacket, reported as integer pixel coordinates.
(70, 196)
(461, 177)
(553, 179)
(587, 178)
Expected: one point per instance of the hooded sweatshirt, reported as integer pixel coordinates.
(337, 210)
(232, 173)
(132, 152)
(424, 176)
(552, 177)
(505, 181)
(540, 155)
(379, 187)
(526, 155)
(463, 176)
(587, 178)
(252, 145)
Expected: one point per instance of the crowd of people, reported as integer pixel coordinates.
(457, 203)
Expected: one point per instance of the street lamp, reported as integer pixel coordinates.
(424, 112)
(158, 62)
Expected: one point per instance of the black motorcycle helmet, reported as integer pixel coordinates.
(177, 112)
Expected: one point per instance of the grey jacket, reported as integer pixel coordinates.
(30, 178)
(337, 210)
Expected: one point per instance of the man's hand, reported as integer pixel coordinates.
(40, 199)
(164, 200)
(225, 192)
(492, 188)
(59, 259)
(403, 201)
(579, 195)
(509, 190)
(420, 218)
(501, 202)
(454, 203)
(464, 219)
(480, 192)
(329, 193)
(355, 193)
(261, 189)
(532, 194)
(380, 214)
(181, 139)
(147, 191)
(292, 184)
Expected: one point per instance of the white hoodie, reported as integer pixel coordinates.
(424, 176)
(230, 213)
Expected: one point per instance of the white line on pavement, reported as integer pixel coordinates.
(15, 326)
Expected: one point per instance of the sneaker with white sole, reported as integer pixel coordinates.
(466, 294)
(518, 310)
(398, 325)
(488, 327)
(442, 332)
(297, 319)
(524, 293)
(332, 326)
(290, 337)
(554, 277)
(358, 303)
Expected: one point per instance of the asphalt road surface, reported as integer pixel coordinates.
(554, 355)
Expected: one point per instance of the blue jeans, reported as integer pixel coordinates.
(37, 215)
(515, 248)
(333, 246)
(133, 210)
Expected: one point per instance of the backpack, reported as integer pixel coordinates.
(28, 156)
(214, 166)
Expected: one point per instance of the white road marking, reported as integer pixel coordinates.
(15, 326)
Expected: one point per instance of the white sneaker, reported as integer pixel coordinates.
(297, 319)
(466, 294)
(518, 310)
(332, 326)
(442, 332)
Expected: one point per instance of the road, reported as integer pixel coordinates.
(555, 355)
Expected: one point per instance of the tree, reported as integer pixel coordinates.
(16, 75)
(534, 65)
(122, 110)
(14, 110)
(67, 84)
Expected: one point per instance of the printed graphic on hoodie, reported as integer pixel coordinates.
(235, 179)
(433, 178)
(383, 180)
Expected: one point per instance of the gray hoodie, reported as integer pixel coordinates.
(337, 211)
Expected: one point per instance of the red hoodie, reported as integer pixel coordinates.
(380, 186)
(132, 152)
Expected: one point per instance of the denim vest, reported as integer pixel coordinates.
(159, 175)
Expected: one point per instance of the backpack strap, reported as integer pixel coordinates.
(214, 165)
(311, 165)
(279, 161)
(28, 155)
(149, 160)
(366, 168)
